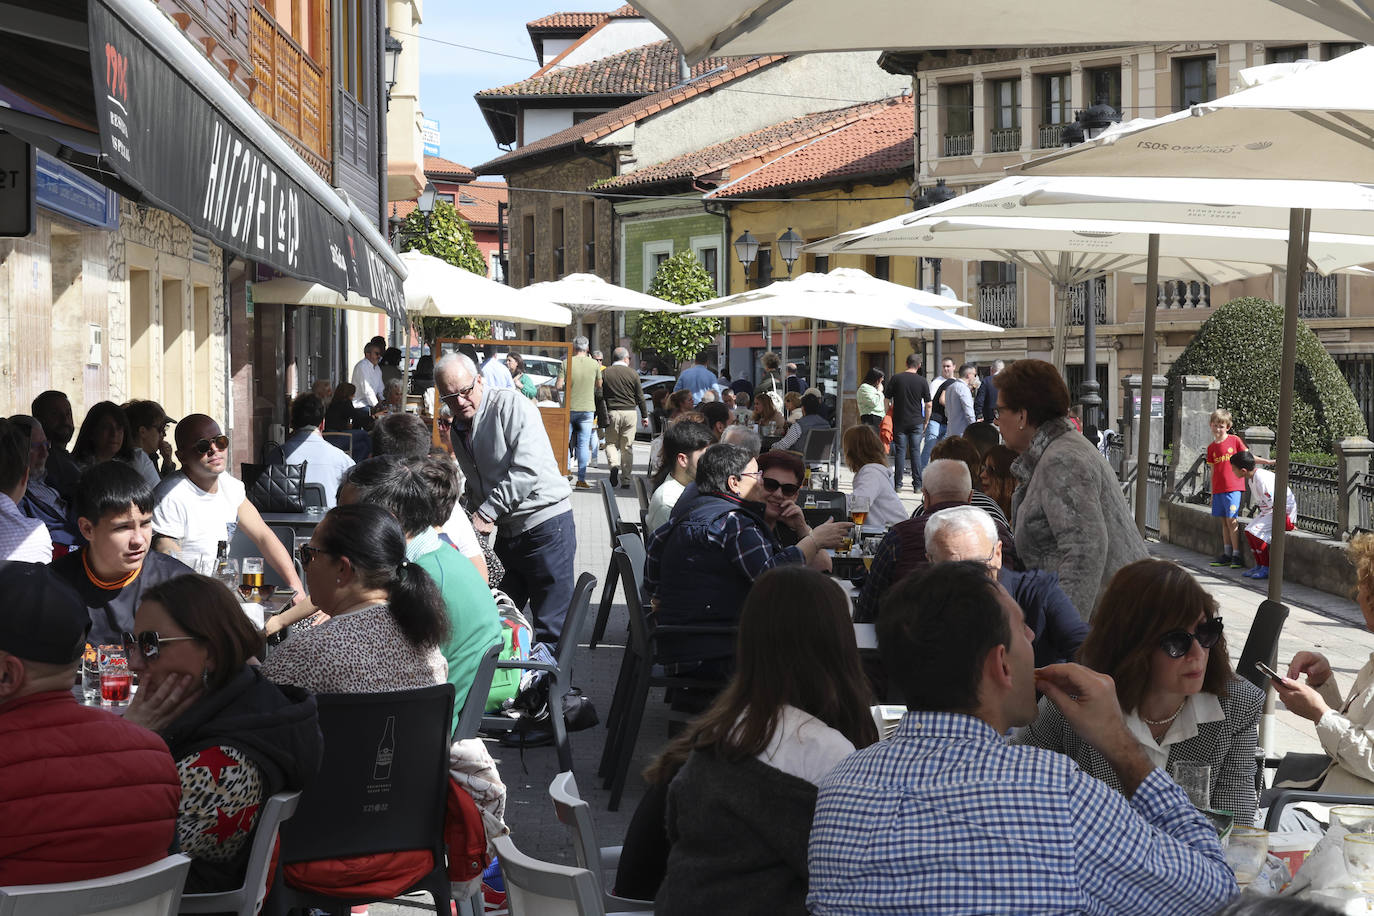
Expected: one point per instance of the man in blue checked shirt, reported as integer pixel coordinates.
(945, 817)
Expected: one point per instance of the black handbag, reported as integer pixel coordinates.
(275, 487)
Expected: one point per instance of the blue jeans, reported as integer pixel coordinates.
(583, 422)
(539, 569)
(906, 446)
(935, 431)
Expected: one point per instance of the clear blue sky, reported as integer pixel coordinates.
(450, 75)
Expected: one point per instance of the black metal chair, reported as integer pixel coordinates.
(617, 527)
(243, 546)
(820, 506)
(382, 787)
(818, 451)
(315, 496)
(1262, 641)
(1292, 796)
(638, 675)
(475, 706)
(560, 672)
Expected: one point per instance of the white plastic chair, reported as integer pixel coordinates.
(538, 888)
(246, 899)
(153, 890)
(576, 815)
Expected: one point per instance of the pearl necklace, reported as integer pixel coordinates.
(1168, 720)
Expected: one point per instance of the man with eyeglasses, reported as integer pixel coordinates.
(367, 377)
(48, 791)
(946, 817)
(512, 478)
(969, 533)
(21, 537)
(114, 509)
(701, 564)
(203, 504)
(41, 500)
(945, 484)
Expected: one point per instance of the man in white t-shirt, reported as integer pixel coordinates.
(198, 505)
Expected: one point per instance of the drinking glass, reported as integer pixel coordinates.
(1359, 859)
(1196, 780)
(1246, 852)
(114, 676)
(250, 578)
(228, 572)
(1354, 818)
(90, 675)
(858, 511)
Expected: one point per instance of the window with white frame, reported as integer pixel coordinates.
(707, 250)
(655, 253)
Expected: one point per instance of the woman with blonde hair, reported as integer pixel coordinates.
(765, 412)
(865, 456)
(791, 405)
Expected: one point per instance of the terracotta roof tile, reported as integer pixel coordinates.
(637, 71)
(625, 12)
(878, 142)
(725, 71)
(568, 21)
(476, 202)
(435, 165)
(758, 144)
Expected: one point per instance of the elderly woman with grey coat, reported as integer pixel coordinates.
(1068, 514)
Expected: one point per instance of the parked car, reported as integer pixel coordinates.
(655, 388)
(542, 370)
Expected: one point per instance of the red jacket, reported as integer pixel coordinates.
(83, 794)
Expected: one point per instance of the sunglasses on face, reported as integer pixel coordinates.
(149, 643)
(788, 489)
(307, 553)
(1176, 643)
(220, 442)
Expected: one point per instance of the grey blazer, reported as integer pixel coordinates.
(1227, 746)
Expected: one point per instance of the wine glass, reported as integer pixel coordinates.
(1246, 852)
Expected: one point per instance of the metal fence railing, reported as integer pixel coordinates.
(1154, 491)
(1318, 492)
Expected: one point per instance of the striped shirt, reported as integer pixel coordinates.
(946, 817)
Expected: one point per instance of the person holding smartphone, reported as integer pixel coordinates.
(1345, 727)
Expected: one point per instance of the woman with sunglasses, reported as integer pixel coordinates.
(866, 458)
(386, 616)
(236, 737)
(1161, 641)
(780, 482)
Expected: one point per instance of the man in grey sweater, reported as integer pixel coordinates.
(515, 488)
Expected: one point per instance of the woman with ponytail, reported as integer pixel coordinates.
(386, 617)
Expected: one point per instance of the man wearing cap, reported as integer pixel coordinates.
(114, 507)
(202, 504)
(149, 422)
(83, 794)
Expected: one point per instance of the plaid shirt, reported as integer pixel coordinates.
(747, 546)
(945, 817)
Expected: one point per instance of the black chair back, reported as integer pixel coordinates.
(1262, 641)
(828, 504)
(314, 495)
(818, 444)
(384, 781)
(243, 546)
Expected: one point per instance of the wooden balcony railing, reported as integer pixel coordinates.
(292, 89)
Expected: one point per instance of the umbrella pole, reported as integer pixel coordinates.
(1061, 330)
(1147, 377)
(814, 358)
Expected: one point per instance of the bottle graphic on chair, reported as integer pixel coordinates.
(386, 749)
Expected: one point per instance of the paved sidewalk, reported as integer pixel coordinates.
(1329, 624)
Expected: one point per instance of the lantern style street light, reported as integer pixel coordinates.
(747, 250)
(393, 63)
(789, 248)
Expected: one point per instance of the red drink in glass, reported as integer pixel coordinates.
(114, 686)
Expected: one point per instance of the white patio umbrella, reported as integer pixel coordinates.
(437, 289)
(1311, 125)
(712, 27)
(590, 293)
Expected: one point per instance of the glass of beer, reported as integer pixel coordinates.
(250, 579)
(114, 676)
(858, 511)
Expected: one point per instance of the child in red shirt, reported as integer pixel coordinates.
(1227, 486)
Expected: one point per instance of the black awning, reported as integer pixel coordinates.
(174, 131)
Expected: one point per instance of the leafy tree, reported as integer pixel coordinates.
(680, 279)
(446, 236)
(1242, 345)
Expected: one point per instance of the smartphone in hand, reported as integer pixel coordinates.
(1270, 673)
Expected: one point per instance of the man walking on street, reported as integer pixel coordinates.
(624, 395)
(513, 480)
(939, 420)
(985, 400)
(909, 394)
(367, 378)
(584, 381)
(959, 400)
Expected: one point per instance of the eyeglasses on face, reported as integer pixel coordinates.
(1176, 643)
(220, 442)
(464, 393)
(749, 474)
(149, 643)
(307, 553)
(788, 489)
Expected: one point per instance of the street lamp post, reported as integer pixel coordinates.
(393, 61)
(1091, 122)
(747, 251)
(929, 198)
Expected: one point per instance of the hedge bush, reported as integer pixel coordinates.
(1242, 346)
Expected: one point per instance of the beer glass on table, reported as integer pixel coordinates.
(250, 580)
(858, 511)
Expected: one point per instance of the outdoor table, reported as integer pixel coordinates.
(118, 709)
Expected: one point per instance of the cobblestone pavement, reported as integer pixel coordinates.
(1327, 623)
